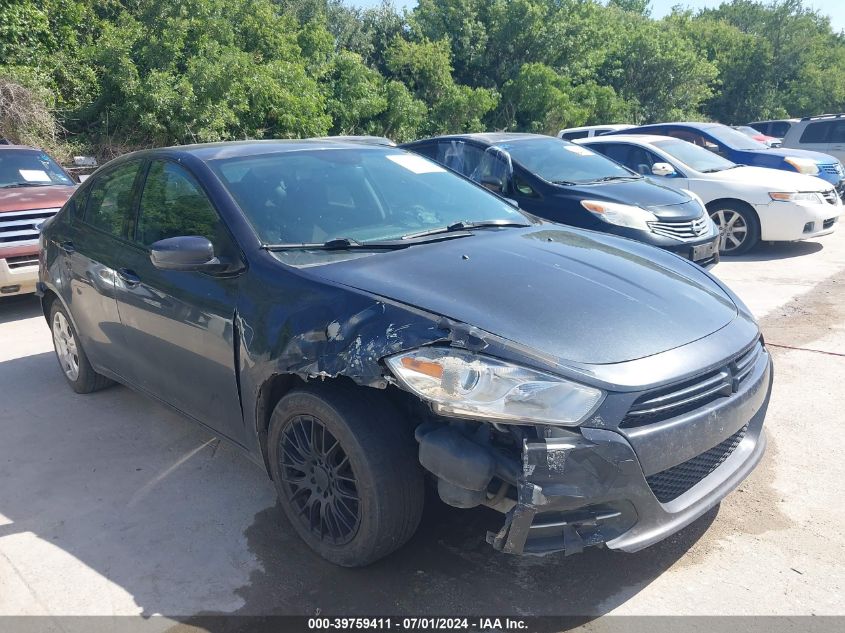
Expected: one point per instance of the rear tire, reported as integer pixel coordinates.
(73, 361)
(739, 228)
(346, 472)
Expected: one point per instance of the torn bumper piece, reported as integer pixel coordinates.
(591, 490)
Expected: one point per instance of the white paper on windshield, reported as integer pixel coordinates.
(34, 175)
(416, 164)
(577, 149)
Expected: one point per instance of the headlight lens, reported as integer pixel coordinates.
(462, 384)
(620, 214)
(794, 196)
(803, 165)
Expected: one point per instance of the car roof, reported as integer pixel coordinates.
(609, 126)
(19, 147)
(631, 138)
(490, 138)
(698, 125)
(233, 149)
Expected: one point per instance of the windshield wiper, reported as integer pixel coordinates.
(26, 184)
(463, 225)
(611, 178)
(336, 244)
(567, 183)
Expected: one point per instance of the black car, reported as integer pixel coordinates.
(358, 318)
(571, 184)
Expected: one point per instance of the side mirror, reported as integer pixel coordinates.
(183, 253)
(663, 169)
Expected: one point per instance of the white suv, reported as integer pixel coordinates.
(587, 131)
(823, 133)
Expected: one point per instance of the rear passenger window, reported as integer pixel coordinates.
(614, 151)
(459, 155)
(837, 134)
(109, 206)
(816, 132)
(174, 205)
(571, 136)
(779, 129)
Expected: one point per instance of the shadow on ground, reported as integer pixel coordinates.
(770, 251)
(449, 568)
(150, 502)
(19, 307)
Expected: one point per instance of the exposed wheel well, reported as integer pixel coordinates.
(714, 204)
(274, 389)
(47, 303)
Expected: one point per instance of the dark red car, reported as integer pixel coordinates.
(33, 187)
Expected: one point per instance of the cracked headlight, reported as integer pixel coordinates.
(620, 214)
(462, 384)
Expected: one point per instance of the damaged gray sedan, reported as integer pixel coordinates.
(359, 320)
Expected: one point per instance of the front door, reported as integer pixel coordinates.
(91, 249)
(179, 326)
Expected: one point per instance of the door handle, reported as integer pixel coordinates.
(129, 278)
(67, 246)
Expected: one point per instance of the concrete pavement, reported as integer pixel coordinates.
(110, 504)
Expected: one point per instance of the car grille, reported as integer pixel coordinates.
(683, 230)
(21, 261)
(689, 395)
(829, 223)
(831, 196)
(675, 481)
(831, 168)
(20, 228)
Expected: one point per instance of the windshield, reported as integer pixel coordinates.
(30, 168)
(365, 195)
(694, 156)
(734, 139)
(555, 160)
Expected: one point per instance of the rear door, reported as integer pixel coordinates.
(92, 250)
(179, 325)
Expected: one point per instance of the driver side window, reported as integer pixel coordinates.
(173, 205)
(493, 172)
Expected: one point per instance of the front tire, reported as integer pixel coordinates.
(73, 361)
(346, 473)
(739, 229)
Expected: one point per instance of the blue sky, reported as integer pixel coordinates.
(834, 8)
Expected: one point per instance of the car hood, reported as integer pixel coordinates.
(773, 179)
(25, 198)
(798, 153)
(582, 296)
(666, 203)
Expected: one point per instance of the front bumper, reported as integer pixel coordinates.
(18, 275)
(602, 486)
(787, 221)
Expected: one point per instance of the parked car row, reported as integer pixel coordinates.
(616, 182)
